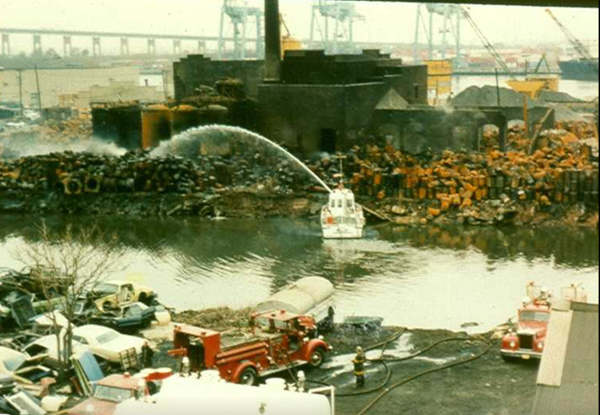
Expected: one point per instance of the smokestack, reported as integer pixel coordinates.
(272, 41)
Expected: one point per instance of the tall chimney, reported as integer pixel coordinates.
(272, 41)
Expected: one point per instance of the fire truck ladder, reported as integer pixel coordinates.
(577, 45)
(486, 43)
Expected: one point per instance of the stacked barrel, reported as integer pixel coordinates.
(156, 125)
(461, 180)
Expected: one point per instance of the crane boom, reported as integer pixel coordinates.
(486, 43)
(579, 47)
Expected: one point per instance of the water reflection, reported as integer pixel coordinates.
(422, 277)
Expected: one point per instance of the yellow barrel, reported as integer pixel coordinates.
(156, 125)
(184, 117)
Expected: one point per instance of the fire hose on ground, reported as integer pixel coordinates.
(383, 360)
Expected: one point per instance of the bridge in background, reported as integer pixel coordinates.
(96, 37)
(151, 38)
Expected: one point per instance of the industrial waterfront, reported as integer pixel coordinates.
(278, 207)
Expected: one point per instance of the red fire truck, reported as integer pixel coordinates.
(276, 341)
(527, 340)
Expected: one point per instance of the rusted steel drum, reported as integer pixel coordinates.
(184, 117)
(156, 125)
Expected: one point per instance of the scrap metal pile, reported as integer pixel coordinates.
(76, 173)
(563, 170)
(37, 375)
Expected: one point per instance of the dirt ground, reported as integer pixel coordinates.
(486, 385)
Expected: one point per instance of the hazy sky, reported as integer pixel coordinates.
(384, 21)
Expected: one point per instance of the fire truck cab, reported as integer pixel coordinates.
(527, 341)
(275, 341)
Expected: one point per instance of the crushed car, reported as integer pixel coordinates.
(105, 343)
(113, 294)
(22, 368)
(127, 318)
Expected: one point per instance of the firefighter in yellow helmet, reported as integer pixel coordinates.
(359, 367)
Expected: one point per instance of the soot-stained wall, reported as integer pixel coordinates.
(194, 71)
(417, 130)
(534, 114)
(121, 125)
(323, 101)
(310, 118)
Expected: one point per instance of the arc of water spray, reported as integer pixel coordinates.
(198, 131)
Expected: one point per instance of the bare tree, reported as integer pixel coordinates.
(67, 265)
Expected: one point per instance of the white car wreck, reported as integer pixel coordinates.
(48, 346)
(107, 344)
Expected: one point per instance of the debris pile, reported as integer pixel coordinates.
(487, 96)
(66, 130)
(561, 169)
(36, 317)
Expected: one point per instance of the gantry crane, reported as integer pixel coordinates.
(447, 11)
(239, 14)
(343, 15)
(577, 45)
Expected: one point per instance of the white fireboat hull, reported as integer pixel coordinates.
(341, 232)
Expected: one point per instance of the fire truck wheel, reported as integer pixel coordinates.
(248, 376)
(317, 357)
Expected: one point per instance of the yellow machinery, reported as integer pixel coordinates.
(533, 85)
(287, 41)
(439, 79)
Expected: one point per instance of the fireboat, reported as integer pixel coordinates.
(342, 217)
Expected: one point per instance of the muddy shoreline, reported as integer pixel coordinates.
(246, 204)
(484, 385)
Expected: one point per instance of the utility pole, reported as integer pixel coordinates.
(165, 84)
(20, 76)
(37, 85)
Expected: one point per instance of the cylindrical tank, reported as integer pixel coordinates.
(184, 117)
(189, 396)
(214, 114)
(301, 297)
(156, 125)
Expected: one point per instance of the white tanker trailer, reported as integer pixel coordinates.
(189, 395)
(306, 296)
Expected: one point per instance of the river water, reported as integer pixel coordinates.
(428, 277)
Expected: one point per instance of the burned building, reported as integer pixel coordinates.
(195, 72)
(323, 102)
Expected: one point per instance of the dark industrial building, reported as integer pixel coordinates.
(321, 102)
(325, 102)
(194, 73)
(310, 101)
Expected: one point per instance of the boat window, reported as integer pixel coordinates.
(534, 315)
(349, 203)
(332, 203)
(339, 203)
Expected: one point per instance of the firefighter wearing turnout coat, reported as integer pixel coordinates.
(359, 367)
